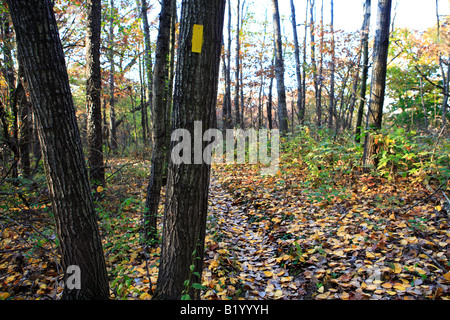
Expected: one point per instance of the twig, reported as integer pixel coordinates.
(430, 195)
(148, 272)
(123, 166)
(431, 258)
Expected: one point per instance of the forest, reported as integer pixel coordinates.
(223, 150)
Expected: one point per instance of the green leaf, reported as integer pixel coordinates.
(198, 286)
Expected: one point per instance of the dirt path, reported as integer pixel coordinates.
(248, 251)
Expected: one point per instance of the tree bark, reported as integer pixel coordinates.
(25, 128)
(159, 148)
(228, 119)
(40, 50)
(331, 107)
(237, 69)
(196, 83)
(149, 71)
(93, 93)
(378, 85)
(279, 71)
(314, 65)
(320, 75)
(300, 106)
(365, 68)
(112, 111)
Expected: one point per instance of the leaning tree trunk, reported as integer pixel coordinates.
(148, 69)
(196, 83)
(160, 89)
(279, 71)
(365, 68)
(40, 50)
(378, 86)
(300, 107)
(93, 93)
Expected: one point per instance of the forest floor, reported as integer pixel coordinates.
(268, 237)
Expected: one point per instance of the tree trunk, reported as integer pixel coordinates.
(8, 73)
(149, 71)
(331, 107)
(237, 69)
(320, 76)
(300, 107)
(269, 103)
(228, 120)
(378, 85)
(112, 111)
(279, 71)
(25, 128)
(159, 148)
(313, 62)
(93, 93)
(365, 68)
(40, 50)
(196, 83)
(304, 64)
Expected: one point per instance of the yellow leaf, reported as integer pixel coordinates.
(345, 296)
(386, 285)
(278, 294)
(392, 293)
(397, 268)
(438, 208)
(371, 287)
(323, 295)
(399, 286)
(447, 276)
(339, 253)
(145, 296)
(4, 295)
(213, 264)
(99, 189)
(268, 274)
(420, 271)
(369, 254)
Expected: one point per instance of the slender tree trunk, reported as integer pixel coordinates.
(196, 83)
(229, 118)
(365, 68)
(237, 69)
(160, 89)
(300, 107)
(378, 83)
(25, 128)
(425, 116)
(313, 62)
(320, 76)
(269, 103)
(112, 111)
(149, 71)
(331, 107)
(11, 98)
(41, 52)
(349, 118)
(279, 71)
(304, 64)
(93, 93)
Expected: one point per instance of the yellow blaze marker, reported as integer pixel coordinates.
(197, 38)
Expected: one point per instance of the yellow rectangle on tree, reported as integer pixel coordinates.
(197, 38)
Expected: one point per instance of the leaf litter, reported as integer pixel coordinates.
(267, 238)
